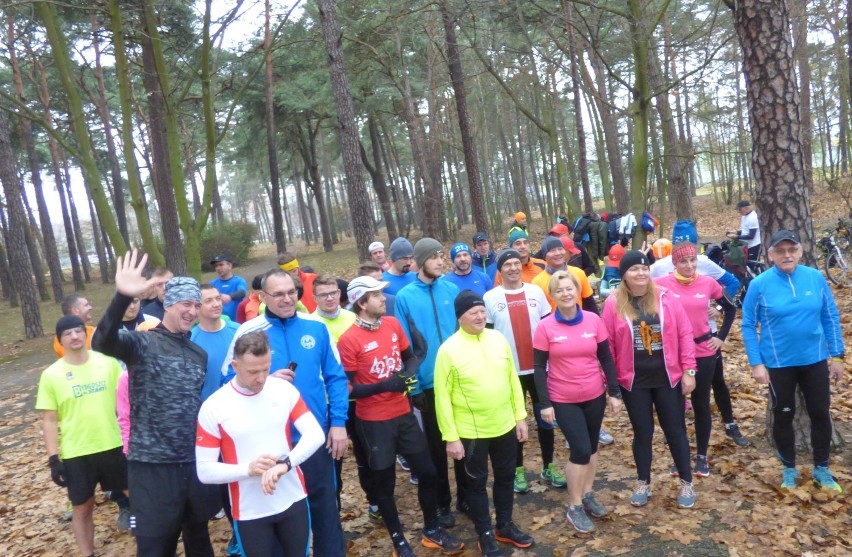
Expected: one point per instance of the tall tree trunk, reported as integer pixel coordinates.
(480, 217)
(75, 223)
(51, 253)
(763, 28)
(30, 234)
(62, 64)
(799, 19)
(308, 148)
(19, 259)
(377, 176)
(359, 202)
(582, 161)
(271, 144)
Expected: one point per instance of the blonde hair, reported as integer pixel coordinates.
(559, 275)
(624, 301)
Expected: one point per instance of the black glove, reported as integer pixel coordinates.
(394, 384)
(419, 401)
(57, 470)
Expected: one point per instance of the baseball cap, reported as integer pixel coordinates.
(363, 285)
(784, 236)
(743, 203)
(558, 230)
(374, 246)
(222, 257)
(479, 236)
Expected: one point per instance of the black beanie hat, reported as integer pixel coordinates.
(506, 255)
(631, 258)
(466, 300)
(68, 322)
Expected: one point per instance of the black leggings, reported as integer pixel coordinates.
(438, 453)
(815, 385)
(501, 451)
(364, 473)
(580, 423)
(196, 542)
(700, 398)
(384, 485)
(721, 393)
(668, 402)
(545, 430)
(288, 530)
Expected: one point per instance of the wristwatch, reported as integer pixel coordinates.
(690, 372)
(285, 460)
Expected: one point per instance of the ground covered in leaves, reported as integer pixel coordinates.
(740, 510)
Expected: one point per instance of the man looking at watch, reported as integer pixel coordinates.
(248, 423)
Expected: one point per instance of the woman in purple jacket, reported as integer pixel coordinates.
(654, 352)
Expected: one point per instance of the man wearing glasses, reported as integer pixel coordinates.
(304, 342)
(327, 297)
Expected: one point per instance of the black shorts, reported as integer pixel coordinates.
(84, 473)
(383, 440)
(164, 496)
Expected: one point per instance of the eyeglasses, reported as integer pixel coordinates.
(277, 296)
(328, 295)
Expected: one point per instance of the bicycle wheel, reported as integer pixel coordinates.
(837, 269)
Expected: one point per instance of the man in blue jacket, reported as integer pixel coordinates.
(303, 340)
(484, 258)
(426, 310)
(463, 275)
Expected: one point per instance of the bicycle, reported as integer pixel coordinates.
(838, 264)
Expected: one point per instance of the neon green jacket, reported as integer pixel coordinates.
(477, 391)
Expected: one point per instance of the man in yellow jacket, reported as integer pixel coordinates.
(481, 413)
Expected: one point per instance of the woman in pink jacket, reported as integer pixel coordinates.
(654, 352)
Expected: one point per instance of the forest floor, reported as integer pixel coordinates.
(740, 510)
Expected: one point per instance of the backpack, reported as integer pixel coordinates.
(737, 257)
(649, 223)
(612, 231)
(684, 231)
(581, 229)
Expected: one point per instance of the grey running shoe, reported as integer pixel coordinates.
(641, 494)
(591, 505)
(579, 520)
(686, 495)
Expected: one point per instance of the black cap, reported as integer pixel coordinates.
(222, 257)
(466, 300)
(506, 255)
(68, 322)
(743, 203)
(784, 236)
(631, 258)
(478, 237)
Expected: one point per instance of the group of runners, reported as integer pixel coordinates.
(222, 398)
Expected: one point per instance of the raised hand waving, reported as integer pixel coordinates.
(129, 279)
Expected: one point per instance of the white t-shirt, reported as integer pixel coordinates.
(516, 314)
(748, 222)
(664, 266)
(243, 427)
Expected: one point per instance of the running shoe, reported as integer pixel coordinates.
(122, 524)
(402, 462)
(790, 475)
(510, 533)
(521, 485)
(488, 545)
(68, 513)
(219, 515)
(402, 549)
(445, 517)
(592, 506)
(441, 539)
(673, 471)
(554, 476)
(579, 519)
(824, 479)
(702, 467)
(733, 431)
(605, 438)
(641, 494)
(374, 514)
(686, 495)
(414, 480)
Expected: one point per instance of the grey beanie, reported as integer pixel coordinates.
(426, 248)
(182, 288)
(400, 248)
(549, 243)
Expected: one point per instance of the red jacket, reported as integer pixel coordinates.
(678, 340)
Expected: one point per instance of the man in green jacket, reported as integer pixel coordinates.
(480, 409)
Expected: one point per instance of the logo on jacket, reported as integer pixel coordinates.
(372, 345)
(308, 342)
(69, 375)
(588, 335)
(560, 338)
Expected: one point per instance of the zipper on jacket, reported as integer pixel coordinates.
(792, 286)
(435, 312)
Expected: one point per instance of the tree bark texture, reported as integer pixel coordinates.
(800, 53)
(18, 257)
(271, 144)
(359, 202)
(471, 162)
(763, 28)
(582, 160)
